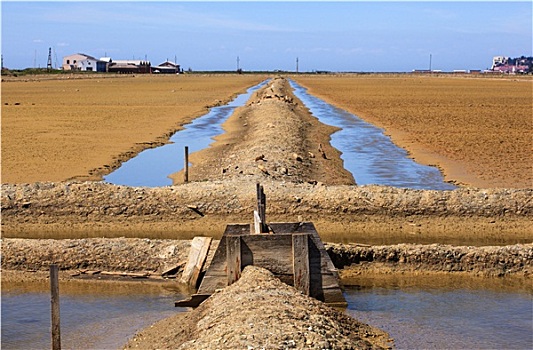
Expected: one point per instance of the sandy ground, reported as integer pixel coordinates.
(477, 130)
(56, 130)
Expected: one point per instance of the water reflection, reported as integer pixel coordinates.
(368, 153)
(94, 315)
(419, 312)
(426, 318)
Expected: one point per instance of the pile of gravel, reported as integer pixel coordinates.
(261, 312)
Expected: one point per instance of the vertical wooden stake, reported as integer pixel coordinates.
(54, 289)
(233, 258)
(261, 209)
(186, 164)
(300, 261)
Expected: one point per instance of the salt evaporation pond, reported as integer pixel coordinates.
(151, 167)
(417, 318)
(94, 315)
(368, 153)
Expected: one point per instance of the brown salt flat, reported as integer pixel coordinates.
(55, 130)
(477, 130)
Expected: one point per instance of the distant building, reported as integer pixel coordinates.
(499, 61)
(129, 66)
(503, 64)
(83, 62)
(167, 67)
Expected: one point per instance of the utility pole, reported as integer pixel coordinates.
(430, 63)
(49, 63)
(238, 60)
(296, 64)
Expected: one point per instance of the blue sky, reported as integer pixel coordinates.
(334, 36)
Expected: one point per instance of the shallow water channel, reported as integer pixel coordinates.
(98, 315)
(151, 167)
(367, 152)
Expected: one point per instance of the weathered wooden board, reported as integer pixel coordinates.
(197, 256)
(300, 262)
(233, 258)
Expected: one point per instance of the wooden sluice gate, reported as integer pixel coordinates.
(292, 251)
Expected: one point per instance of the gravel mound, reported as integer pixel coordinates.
(260, 312)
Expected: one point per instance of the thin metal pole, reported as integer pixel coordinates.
(186, 164)
(56, 323)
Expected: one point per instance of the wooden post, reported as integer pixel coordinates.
(257, 223)
(186, 166)
(300, 261)
(233, 258)
(261, 210)
(54, 288)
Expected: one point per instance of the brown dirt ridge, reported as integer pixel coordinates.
(271, 315)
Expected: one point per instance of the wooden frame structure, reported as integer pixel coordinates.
(292, 251)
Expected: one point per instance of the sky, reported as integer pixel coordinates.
(352, 36)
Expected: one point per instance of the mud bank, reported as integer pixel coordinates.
(341, 213)
(480, 261)
(153, 258)
(272, 137)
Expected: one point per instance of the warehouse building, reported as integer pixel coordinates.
(83, 62)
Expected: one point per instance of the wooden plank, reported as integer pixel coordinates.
(233, 258)
(262, 212)
(237, 229)
(126, 274)
(197, 257)
(300, 257)
(56, 323)
(257, 223)
(272, 252)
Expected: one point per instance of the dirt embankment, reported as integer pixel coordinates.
(272, 137)
(342, 213)
(271, 315)
(157, 258)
